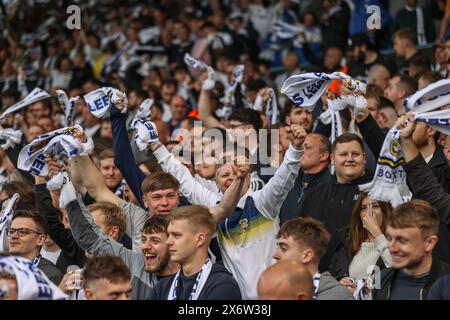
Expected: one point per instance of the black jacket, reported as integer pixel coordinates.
(293, 202)
(71, 254)
(51, 271)
(333, 206)
(343, 255)
(424, 185)
(438, 269)
(220, 285)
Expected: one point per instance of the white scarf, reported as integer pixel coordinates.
(144, 110)
(99, 101)
(12, 138)
(306, 89)
(68, 106)
(285, 31)
(5, 221)
(426, 103)
(332, 115)
(238, 74)
(271, 109)
(421, 39)
(34, 96)
(32, 283)
(146, 132)
(200, 281)
(194, 63)
(62, 182)
(389, 182)
(31, 160)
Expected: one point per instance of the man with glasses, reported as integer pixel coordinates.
(26, 237)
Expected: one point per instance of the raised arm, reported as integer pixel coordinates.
(123, 155)
(84, 171)
(194, 191)
(235, 191)
(269, 199)
(63, 237)
(204, 105)
(371, 132)
(90, 237)
(419, 175)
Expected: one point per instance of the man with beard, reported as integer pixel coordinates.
(152, 262)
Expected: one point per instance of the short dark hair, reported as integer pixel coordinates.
(156, 224)
(308, 232)
(325, 144)
(41, 223)
(345, 138)
(415, 214)
(407, 83)
(430, 76)
(248, 116)
(111, 268)
(420, 63)
(159, 181)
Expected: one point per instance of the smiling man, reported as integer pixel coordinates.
(338, 198)
(412, 234)
(26, 237)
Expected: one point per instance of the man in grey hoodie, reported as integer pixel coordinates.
(306, 240)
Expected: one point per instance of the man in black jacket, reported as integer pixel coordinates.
(313, 171)
(190, 231)
(412, 234)
(332, 203)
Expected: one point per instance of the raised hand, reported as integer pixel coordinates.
(53, 166)
(241, 166)
(296, 135)
(406, 124)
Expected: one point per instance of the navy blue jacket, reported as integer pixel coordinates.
(220, 285)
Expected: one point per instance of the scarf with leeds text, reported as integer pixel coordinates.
(306, 89)
(32, 283)
(389, 182)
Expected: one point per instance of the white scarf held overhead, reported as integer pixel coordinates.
(99, 101)
(32, 283)
(306, 89)
(144, 110)
(12, 138)
(146, 132)
(271, 109)
(389, 182)
(193, 63)
(36, 95)
(5, 220)
(238, 74)
(68, 105)
(426, 105)
(33, 161)
(200, 281)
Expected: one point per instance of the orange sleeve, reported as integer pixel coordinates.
(447, 6)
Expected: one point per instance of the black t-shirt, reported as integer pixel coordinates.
(406, 287)
(185, 285)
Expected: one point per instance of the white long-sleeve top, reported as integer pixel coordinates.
(247, 239)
